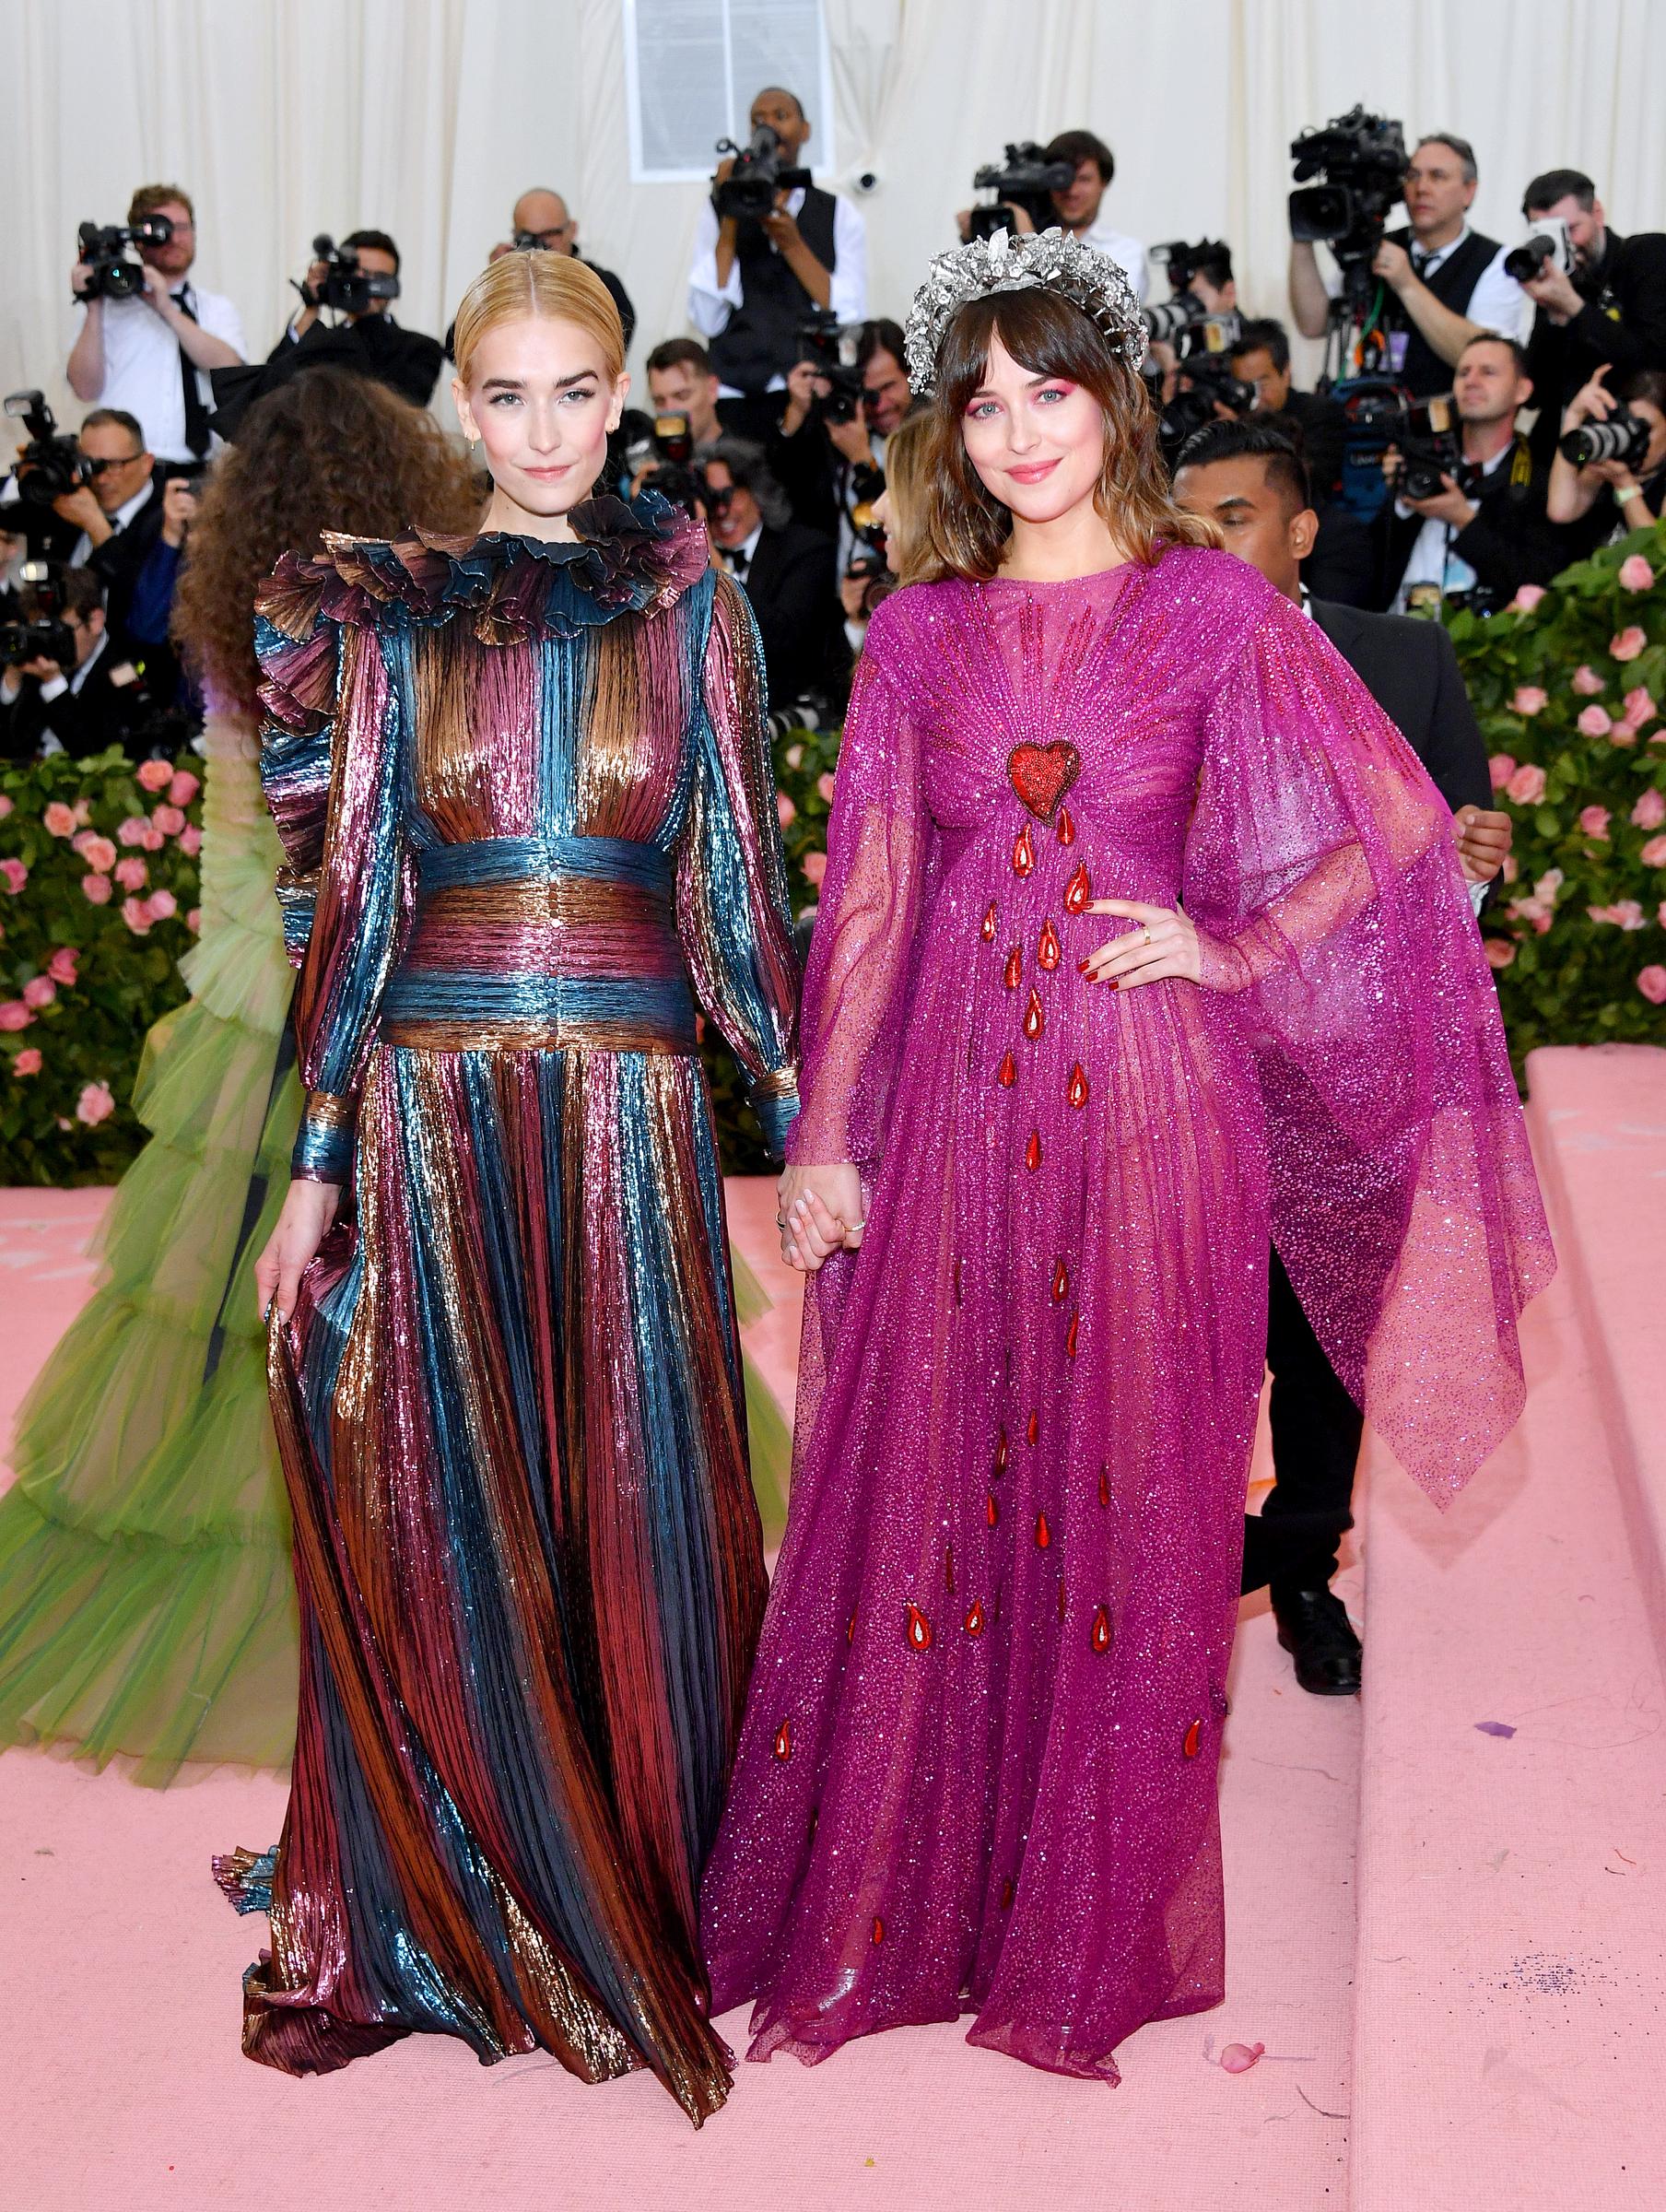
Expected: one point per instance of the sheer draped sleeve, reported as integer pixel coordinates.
(329, 766)
(733, 912)
(856, 987)
(1404, 1205)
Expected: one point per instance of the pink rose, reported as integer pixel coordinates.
(136, 915)
(97, 888)
(132, 832)
(169, 820)
(1503, 766)
(131, 874)
(1526, 598)
(59, 820)
(1594, 722)
(816, 867)
(1622, 732)
(15, 876)
(99, 855)
(27, 1062)
(1629, 643)
(1500, 952)
(1526, 787)
(194, 920)
(14, 1015)
(82, 812)
(1639, 707)
(1651, 981)
(824, 784)
(1653, 854)
(191, 840)
(1650, 810)
(154, 774)
(95, 1105)
(1625, 914)
(1593, 821)
(1636, 575)
(1586, 681)
(1529, 699)
(163, 906)
(784, 809)
(153, 840)
(62, 966)
(5, 805)
(39, 990)
(184, 787)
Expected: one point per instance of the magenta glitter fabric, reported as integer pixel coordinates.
(978, 1770)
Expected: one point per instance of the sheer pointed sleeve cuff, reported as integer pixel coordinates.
(324, 1149)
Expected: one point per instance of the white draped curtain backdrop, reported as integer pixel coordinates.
(428, 117)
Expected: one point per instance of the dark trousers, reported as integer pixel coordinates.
(1316, 1432)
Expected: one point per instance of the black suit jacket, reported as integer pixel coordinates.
(1623, 323)
(794, 595)
(1512, 540)
(1407, 664)
(109, 708)
(117, 562)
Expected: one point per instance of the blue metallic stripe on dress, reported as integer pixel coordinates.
(520, 859)
(464, 1010)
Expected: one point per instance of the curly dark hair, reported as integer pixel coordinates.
(326, 450)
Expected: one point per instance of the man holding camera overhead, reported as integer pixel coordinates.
(1600, 298)
(770, 248)
(148, 339)
(358, 281)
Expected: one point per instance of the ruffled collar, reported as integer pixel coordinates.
(628, 556)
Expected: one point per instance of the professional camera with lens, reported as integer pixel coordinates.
(754, 178)
(831, 345)
(52, 465)
(1211, 383)
(1623, 437)
(1429, 450)
(1546, 246)
(36, 629)
(1026, 178)
(1360, 161)
(347, 288)
(111, 274)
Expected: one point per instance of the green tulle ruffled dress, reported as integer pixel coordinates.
(147, 1610)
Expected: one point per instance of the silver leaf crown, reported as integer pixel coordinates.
(1053, 260)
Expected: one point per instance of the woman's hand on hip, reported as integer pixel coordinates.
(818, 1211)
(308, 1212)
(1164, 944)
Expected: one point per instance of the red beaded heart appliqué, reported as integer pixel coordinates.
(1042, 774)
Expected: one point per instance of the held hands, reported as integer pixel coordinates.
(819, 1211)
(1484, 841)
(308, 1212)
(1165, 944)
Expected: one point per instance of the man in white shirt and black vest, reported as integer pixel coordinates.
(149, 356)
(754, 283)
(1448, 280)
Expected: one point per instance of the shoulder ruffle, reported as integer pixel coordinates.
(629, 556)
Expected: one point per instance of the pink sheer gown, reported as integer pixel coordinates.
(978, 1769)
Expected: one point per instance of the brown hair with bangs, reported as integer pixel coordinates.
(964, 529)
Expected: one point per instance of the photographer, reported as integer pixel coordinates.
(358, 281)
(541, 222)
(1262, 357)
(1447, 279)
(787, 572)
(75, 694)
(828, 453)
(889, 541)
(1623, 490)
(1485, 531)
(1081, 206)
(148, 354)
(1611, 309)
(681, 381)
(756, 277)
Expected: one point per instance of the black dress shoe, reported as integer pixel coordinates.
(1314, 1627)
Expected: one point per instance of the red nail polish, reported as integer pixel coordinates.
(1113, 982)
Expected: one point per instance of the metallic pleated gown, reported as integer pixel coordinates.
(526, 802)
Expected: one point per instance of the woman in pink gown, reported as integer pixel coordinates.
(1142, 938)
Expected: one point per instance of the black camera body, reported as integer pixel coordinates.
(747, 192)
(103, 247)
(1212, 382)
(51, 463)
(347, 289)
(32, 625)
(1361, 162)
(1025, 179)
(823, 339)
(869, 567)
(1623, 437)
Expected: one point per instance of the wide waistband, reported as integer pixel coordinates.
(544, 860)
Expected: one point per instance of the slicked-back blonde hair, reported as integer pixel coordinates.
(546, 286)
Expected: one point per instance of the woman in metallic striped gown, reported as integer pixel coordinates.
(524, 786)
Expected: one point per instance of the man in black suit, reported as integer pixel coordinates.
(1611, 308)
(1249, 479)
(787, 570)
(79, 698)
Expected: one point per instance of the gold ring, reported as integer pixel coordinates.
(1145, 932)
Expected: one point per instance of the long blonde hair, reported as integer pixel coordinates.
(542, 285)
(906, 481)
(964, 528)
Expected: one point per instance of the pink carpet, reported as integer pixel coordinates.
(1471, 2022)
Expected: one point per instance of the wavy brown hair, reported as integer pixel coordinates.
(326, 450)
(964, 528)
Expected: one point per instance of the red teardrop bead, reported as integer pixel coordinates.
(1008, 1894)
(1078, 891)
(1061, 1284)
(1001, 1448)
(1015, 968)
(1006, 1075)
(1032, 1151)
(920, 1630)
(1024, 852)
(974, 1622)
(878, 1929)
(1032, 1429)
(1070, 1341)
(1067, 828)
(1034, 1019)
(1100, 1638)
(1049, 952)
(1044, 1536)
(989, 920)
(1194, 1739)
(1077, 1093)
(783, 1740)
(992, 1511)
(850, 1626)
(1104, 1488)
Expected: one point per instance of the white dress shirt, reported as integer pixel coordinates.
(1433, 559)
(711, 304)
(1127, 253)
(1498, 301)
(142, 369)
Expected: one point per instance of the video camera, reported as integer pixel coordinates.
(748, 192)
(1361, 161)
(39, 632)
(1026, 178)
(831, 345)
(103, 247)
(52, 465)
(347, 289)
(1623, 437)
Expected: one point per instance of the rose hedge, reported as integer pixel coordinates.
(98, 899)
(1569, 685)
